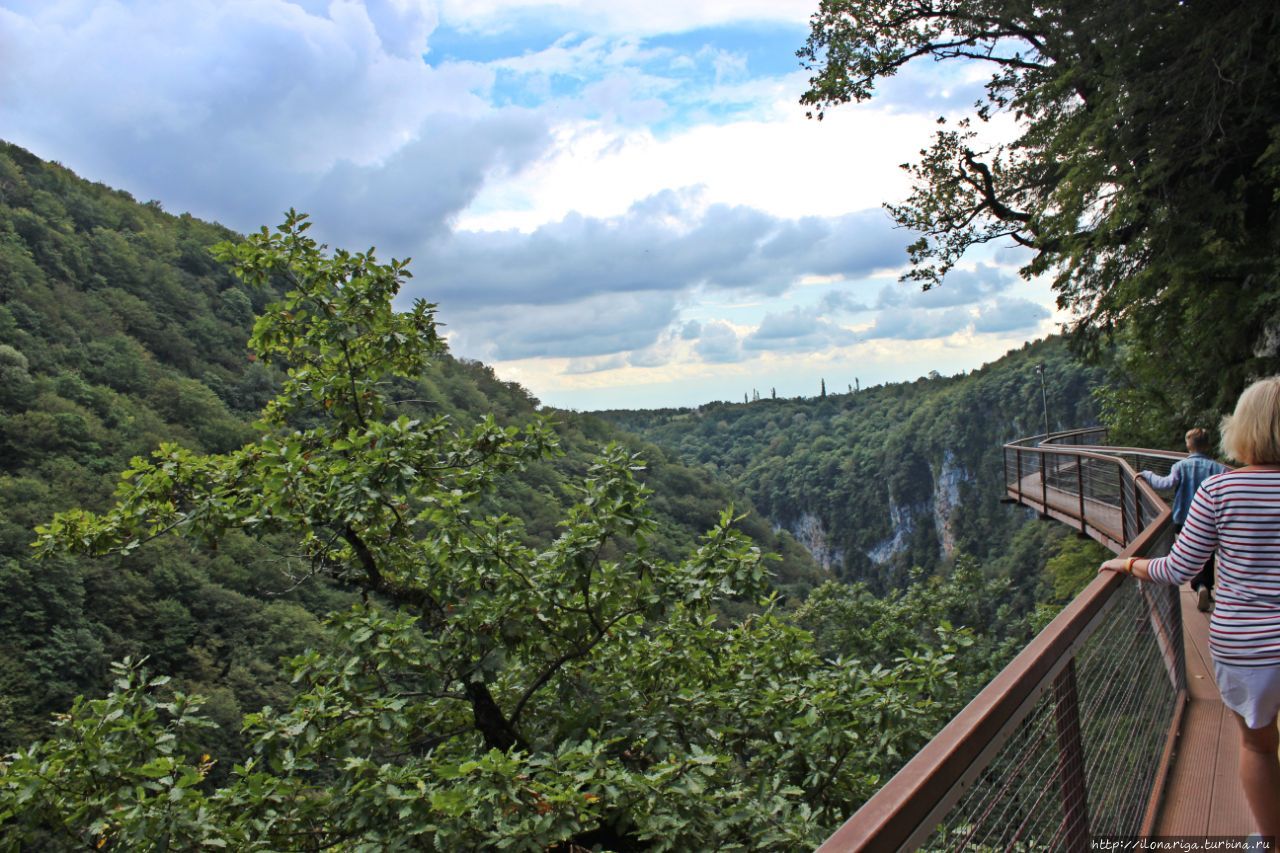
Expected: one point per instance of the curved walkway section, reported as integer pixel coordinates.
(1078, 736)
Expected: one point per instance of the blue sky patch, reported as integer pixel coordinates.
(449, 44)
(768, 51)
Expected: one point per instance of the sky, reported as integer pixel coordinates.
(615, 203)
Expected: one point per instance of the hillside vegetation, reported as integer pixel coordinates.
(890, 478)
(118, 331)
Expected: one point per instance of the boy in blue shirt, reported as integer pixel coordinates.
(1185, 477)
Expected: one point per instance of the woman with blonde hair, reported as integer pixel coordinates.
(1237, 513)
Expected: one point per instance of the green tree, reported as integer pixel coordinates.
(1145, 176)
(486, 692)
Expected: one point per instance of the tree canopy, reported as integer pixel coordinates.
(1144, 176)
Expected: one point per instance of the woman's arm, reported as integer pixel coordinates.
(1195, 544)
(1136, 566)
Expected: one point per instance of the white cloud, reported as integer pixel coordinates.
(237, 110)
(591, 326)
(718, 343)
(787, 165)
(624, 16)
(1011, 315)
(797, 330)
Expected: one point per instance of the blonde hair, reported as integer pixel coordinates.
(1252, 434)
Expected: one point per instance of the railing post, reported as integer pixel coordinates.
(1080, 489)
(1124, 516)
(1137, 507)
(1075, 803)
(1044, 484)
(1018, 454)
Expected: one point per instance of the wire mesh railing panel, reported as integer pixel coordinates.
(1129, 701)
(1008, 799)
(1124, 703)
(1137, 460)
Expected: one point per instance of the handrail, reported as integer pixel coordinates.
(1055, 437)
(905, 812)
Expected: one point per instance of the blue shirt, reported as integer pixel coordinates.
(1185, 477)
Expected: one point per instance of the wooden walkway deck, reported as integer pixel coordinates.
(1202, 794)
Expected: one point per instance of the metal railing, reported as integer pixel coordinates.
(1074, 737)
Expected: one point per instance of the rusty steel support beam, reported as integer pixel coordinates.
(1044, 484)
(1137, 505)
(1018, 453)
(1124, 516)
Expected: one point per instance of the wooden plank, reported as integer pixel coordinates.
(1228, 810)
(1203, 795)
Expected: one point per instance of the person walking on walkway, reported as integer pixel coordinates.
(1185, 477)
(1238, 514)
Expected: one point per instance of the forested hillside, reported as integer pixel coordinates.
(523, 644)
(119, 330)
(882, 480)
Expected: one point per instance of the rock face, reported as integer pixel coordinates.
(810, 533)
(940, 508)
(946, 497)
(902, 518)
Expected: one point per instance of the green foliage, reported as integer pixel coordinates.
(120, 769)
(1145, 177)
(872, 471)
(488, 692)
(1073, 567)
(119, 332)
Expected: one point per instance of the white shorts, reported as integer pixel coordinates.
(1253, 692)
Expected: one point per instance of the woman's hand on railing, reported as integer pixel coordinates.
(1135, 566)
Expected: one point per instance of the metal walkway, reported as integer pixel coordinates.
(1108, 723)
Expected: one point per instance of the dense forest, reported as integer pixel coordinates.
(885, 479)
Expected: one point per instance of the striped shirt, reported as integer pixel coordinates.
(1237, 513)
